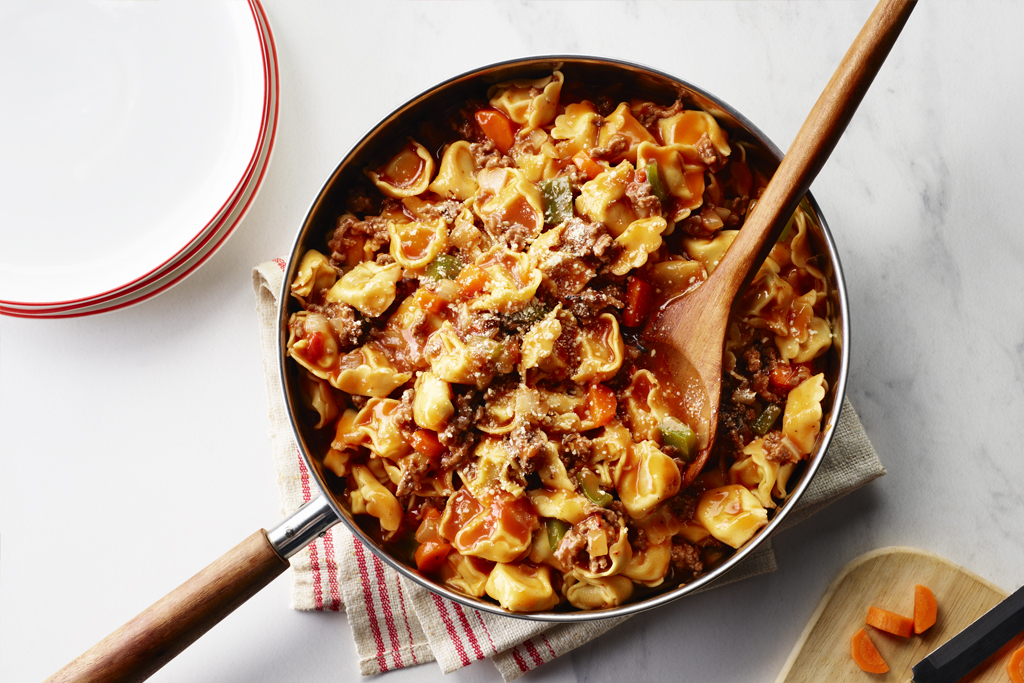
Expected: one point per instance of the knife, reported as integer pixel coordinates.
(957, 656)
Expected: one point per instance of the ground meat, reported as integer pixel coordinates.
(576, 447)
(350, 231)
(458, 436)
(572, 551)
(486, 155)
(414, 471)
(737, 210)
(648, 113)
(515, 236)
(527, 444)
(589, 303)
(582, 239)
(641, 196)
(761, 359)
(776, 450)
(734, 431)
(349, 325)
(695, 226)
(449, 209)
(706, 150)
(616, 147)
(637, 539)
(403, 415)
(686, 558)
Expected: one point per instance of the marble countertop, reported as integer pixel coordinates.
(135, 447)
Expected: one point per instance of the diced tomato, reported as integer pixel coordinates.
(602, 404)
(431, 302)
(426, 442)
(497, 127)
(585, 163)
(639, 302)
(471, 280)
(430, 556)
(784, 378)
(314, 347)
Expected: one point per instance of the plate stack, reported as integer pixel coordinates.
(134, 139)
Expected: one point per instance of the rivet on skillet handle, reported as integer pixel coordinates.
(142, 646)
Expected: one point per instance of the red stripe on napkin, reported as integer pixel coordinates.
(469, 630)
(442, 610)
(371, 613)
(385, 605)
(405, 616)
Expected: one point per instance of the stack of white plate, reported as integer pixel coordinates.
(134, 138)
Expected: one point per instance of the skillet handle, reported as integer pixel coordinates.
(138, 649)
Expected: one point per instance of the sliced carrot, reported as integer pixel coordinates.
(1015, 667)
(430, 556)
(585, 163)
(925, 609)
(602, 404)
(890, 622)
(866, 654)
(471, 280)
(427, 443)
(497, 127)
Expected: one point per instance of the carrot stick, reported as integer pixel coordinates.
(925, 609)
(866, 654)
(497, 127)
(1015, 667)
(890, 622)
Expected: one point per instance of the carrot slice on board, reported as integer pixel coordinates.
(866, 654)
(1015, 667)
(925, 609)
(890, 622)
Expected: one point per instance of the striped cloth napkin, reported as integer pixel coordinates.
(397, 623)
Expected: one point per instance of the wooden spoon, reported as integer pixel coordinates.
(687, 334)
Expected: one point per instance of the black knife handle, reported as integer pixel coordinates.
(976, 643)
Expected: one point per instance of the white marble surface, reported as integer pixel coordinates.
(134, 445)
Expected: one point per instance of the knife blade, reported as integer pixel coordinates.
(952, 660)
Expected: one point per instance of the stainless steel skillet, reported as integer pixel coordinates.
(149, 641)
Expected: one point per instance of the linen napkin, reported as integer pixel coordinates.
(397, 623)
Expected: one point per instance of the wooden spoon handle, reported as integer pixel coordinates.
(813, 143)
(138, 649)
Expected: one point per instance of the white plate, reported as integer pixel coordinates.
(130, 129)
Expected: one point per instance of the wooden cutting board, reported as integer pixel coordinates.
(885, 578)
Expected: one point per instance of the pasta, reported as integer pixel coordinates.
(469, 346)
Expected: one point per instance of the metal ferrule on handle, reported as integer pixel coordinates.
(302, 527)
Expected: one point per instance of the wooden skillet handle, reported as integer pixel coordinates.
(138, 649)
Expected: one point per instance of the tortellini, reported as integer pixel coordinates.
(645, 477)
(368, 288)
(407, 174)
(530, 103)
(731, 514)
(522, 588)
(456, 178)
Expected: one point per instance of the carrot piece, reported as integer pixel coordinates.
(497, 127)
(890, 622)
(471, 280)
(925, 609)
(639, 302)
(426, 442)
(585, 163)
(602, 404)
(866, 654)
(1015, 667)
(430, 556)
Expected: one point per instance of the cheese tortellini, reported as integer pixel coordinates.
(469, 344)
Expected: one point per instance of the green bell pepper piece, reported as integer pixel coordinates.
(557, 195)
(444, 267)
(556, 532)
(766, 419)
(591, 488)
(674, 433)
(657, 184)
